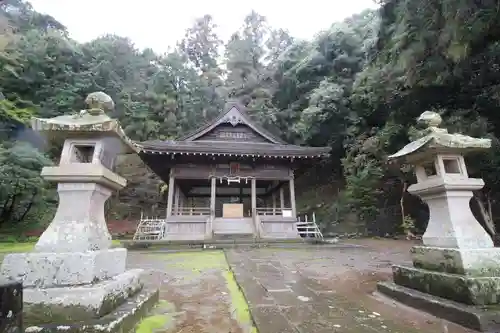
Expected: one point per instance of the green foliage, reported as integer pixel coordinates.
(24, 195)
(362, 188)
(408, 224)
(356, 87)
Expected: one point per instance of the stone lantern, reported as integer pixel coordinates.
(73, 275)
(457, 261)
(444, 184)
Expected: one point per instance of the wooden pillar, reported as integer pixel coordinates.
(292, 197)
(176, 201)
(274, 202)
(171, 188)
(212, 197)
(254, 195)
(282, 197)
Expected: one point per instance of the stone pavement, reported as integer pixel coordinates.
(304, 290)
(287, 291)
(198, 293)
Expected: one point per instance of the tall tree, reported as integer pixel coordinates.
(201, 46)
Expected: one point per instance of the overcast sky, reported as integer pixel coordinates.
(160, 23)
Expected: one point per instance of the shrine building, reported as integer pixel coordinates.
(229, 177)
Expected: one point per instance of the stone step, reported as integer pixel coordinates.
(175, 246)
(482, 319)
(234, 237)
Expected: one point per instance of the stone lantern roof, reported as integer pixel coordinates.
(91, 120)
(436, 140)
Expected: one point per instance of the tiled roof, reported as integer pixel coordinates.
(192, 144)
(233, 148)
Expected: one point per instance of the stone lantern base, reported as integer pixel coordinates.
(79, 292)
(73, 282)
(459, 285)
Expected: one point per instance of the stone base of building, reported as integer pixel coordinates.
(479, 318)
(122, 319)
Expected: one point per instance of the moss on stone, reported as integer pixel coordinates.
(156, 320)
(37, 314)
(460, 288)
(152, 323)
(197, 261)
(49, 313)
(239, 302)
(480, 264)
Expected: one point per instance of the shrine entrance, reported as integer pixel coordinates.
(232, 203)
(229, 177)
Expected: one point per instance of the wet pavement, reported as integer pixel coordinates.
(280, 290)
(198, 293)
(323, 291)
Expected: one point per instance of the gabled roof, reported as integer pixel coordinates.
(234, 114)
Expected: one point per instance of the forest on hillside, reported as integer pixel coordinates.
(357, 87)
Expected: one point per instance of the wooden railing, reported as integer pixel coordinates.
(192, 211)
(271, 211)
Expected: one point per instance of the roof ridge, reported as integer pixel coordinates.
(229, 106)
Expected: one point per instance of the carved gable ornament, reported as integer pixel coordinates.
(233, 117)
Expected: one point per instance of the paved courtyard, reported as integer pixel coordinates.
(315, 289)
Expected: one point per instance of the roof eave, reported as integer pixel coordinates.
(316, 155)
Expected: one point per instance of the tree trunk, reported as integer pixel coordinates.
(30, 205)
(486, 214)
(409, 234)
(8, 211)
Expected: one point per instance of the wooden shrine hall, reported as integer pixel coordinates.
(229, 177)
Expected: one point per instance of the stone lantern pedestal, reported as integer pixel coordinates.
(456, 272)
(74, 281)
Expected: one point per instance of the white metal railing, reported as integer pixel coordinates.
(307, 227)
(150, 229)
